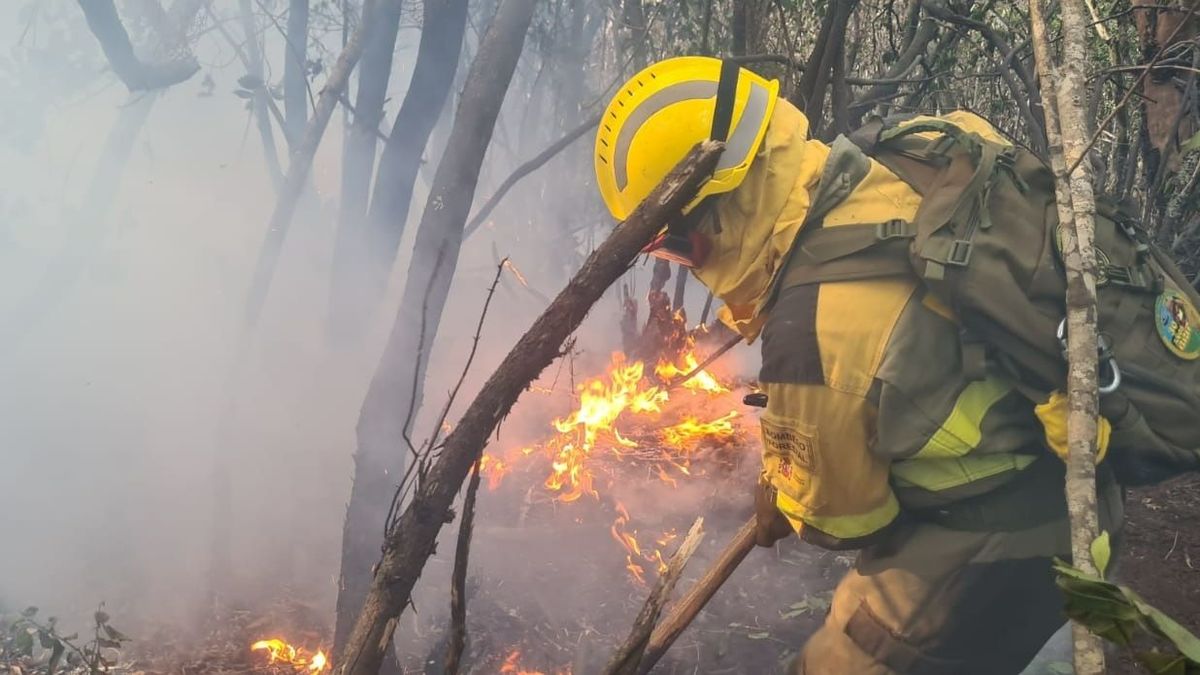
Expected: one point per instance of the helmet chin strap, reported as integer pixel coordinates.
(681, 243)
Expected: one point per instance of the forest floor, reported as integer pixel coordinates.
(552, 597)
(1160, 557)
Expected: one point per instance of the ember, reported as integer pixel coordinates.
(282, 653)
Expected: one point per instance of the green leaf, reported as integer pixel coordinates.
(758, 636)
(1101, 552)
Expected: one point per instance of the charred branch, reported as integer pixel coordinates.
(411, 542)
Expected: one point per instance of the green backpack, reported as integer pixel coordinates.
(985, 242)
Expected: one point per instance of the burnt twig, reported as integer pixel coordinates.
(629, 655)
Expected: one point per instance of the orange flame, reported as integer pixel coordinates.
(279, 651)
(510, 666)
(625, 416)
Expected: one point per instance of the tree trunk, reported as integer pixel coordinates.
(358, 165)
(1067, 129)
(105, 24)
(411, 539)
(262, 97)
(444, 22)
(301, 162)
(295, 70)
(394, 395)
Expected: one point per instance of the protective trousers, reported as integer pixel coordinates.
(968, 590)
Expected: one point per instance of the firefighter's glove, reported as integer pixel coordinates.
(1053, 414)
(771, 524)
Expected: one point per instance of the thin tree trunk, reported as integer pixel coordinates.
(301, 163)
(396, 386)
(295, 69)
(105, 24)
(444, 22)
(346, 314)
(1067, 131)
(410, 541)
(262, 97)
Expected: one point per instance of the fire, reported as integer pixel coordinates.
(279, 651)
(510, 666)
(609, 407)
(630, 416)
(629, 541)
(702, 381)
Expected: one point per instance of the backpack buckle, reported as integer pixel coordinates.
(896, 228)
(960, 253)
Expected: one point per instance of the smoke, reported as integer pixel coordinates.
(129, 228)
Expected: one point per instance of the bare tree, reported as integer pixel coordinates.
(396, 386)
(105, 24)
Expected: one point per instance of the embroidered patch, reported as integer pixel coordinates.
(1178, 324)
(790, 444)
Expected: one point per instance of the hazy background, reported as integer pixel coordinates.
(121, 291)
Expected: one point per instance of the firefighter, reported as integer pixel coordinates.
(876, 438)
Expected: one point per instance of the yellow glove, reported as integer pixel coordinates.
(1053, 414)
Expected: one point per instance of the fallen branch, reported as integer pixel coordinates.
(630, 654)
(683, 612)
(410, 543)
(526, 169)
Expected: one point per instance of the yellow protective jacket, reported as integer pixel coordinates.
(868, 408)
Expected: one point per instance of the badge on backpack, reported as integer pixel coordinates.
(1178, 324)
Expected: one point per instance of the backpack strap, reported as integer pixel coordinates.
(845, 252)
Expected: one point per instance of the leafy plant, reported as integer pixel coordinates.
(25, 640)
(1119, 615)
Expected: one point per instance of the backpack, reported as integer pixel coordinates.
(985, 242)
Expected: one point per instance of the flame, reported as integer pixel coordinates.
(702, 381)
(629, 416)
(279, 651)
(510, 666)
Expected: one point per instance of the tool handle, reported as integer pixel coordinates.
(685, 610)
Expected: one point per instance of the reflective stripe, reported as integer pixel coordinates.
(961, 433)
(843, 527)
(940, 474)
(737, 147)
(683, 91)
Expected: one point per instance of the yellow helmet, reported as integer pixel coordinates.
(660, 113)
